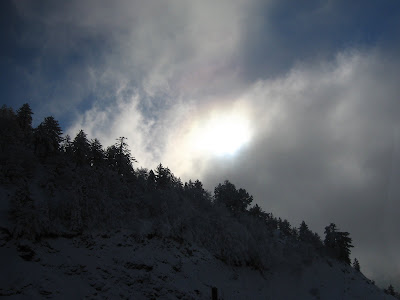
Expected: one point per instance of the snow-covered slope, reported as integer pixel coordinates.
(118, 264)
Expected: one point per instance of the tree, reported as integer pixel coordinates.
(47, 137)
(330, 236)
(305, 234)
(163, 177)
(196, 192)
(66, 145)
(344, 245)
(257, 212)
(338, 243)
(390, 290)
(356, 265)
(234, 200)
(119, 158)
(151, 181)
(9, 129)
(97, 154)
(81, 148)
(24, 119)
(284, 226)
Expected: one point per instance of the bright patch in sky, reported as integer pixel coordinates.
(222, 134)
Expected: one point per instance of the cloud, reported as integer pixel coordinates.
(325, 149)
(320, 97)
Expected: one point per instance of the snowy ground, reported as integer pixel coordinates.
(117, 265)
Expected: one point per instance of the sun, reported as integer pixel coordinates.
(222, 134)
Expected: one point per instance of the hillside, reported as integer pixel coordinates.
(78, 221)
(119, 265)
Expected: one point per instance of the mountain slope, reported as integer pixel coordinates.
(121, 265)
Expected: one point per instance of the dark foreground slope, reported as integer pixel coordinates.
(114, 265)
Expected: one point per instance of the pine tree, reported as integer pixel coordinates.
(9, 130)
(285, 227)
(356, 265)
(151, 181)
(24, 118)
(305, 233)
(163, 177)
(120, 159)
(257, 212)
(81, 148)
(338, 243)
(330, 236)
(196, 192)
(390, 290)
(97, 154)
(66, 145)
(235, 200)
(47, 137)
(344, 245)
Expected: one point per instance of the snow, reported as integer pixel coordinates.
(120, 264)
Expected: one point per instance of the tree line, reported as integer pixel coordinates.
(47, 145)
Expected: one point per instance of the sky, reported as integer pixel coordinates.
(298, 103)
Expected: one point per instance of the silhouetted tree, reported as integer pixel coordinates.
(317, 241)
(234, 200)
(284, 226)
(9, 129)
(24, 118)
(305, 233)
(338, 243)
(344, 245)
(151, 181)
(390, 290)
(97, 154)
(196, 192)
(81, 148)
(163, 177)
(120, 159)
(47, 137)
(356, 265)
(257, 212)
(66, 145)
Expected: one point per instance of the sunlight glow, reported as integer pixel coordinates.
(222, 134)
